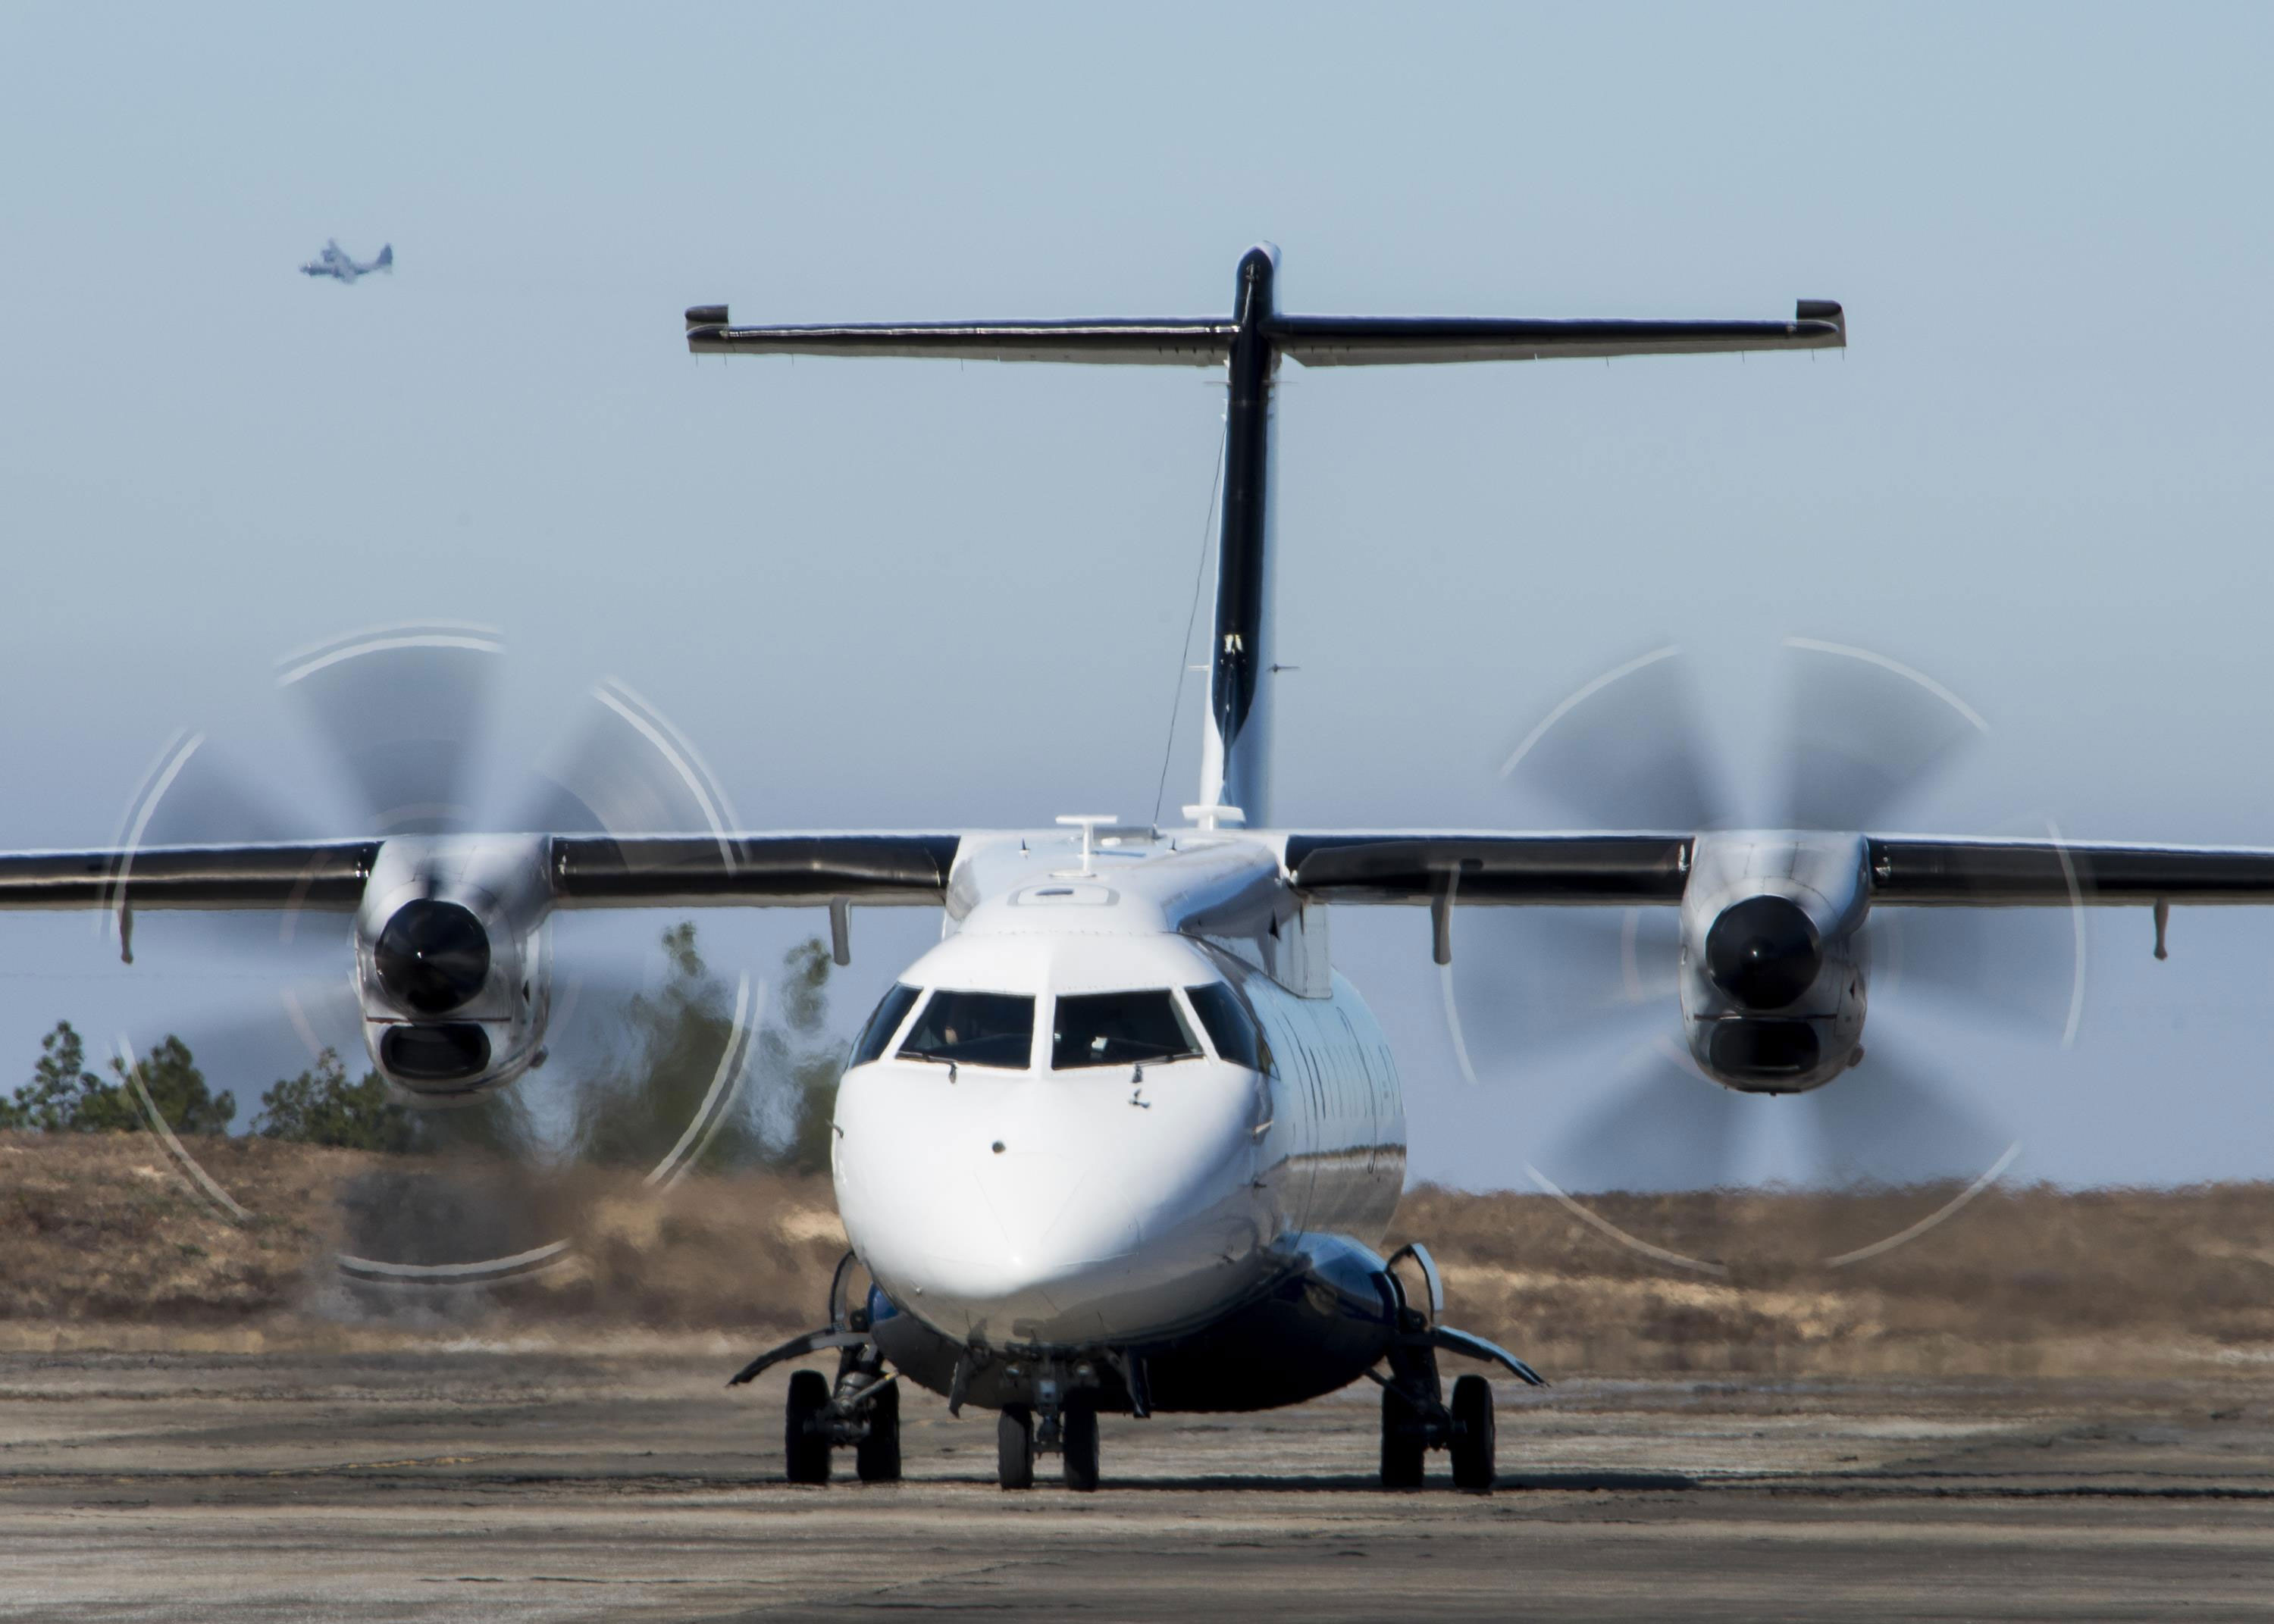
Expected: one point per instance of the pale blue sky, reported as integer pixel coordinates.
(908, 595)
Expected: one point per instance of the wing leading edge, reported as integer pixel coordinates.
(1614, 871)
(755, 870)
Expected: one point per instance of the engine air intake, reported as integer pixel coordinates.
(1763, 1049)
(449, 1052)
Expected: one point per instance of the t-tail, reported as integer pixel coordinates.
(1234, 762)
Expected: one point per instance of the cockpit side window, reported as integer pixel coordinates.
(1119, 1028)
(1230, 1026)
(974, 1028)
(890, 1013)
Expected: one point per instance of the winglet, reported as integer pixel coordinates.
(700, 316)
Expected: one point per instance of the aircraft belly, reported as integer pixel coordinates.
(1314, 1321)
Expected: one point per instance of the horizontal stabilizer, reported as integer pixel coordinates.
(1401, 341)
(1125, 342)
(1314, 341)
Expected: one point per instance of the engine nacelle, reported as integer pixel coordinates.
(453, 962)
(1772, 996)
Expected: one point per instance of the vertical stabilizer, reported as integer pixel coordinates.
(1235, 754)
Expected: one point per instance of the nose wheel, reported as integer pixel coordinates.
(1020, 1435)
(1014, 1447)
(1078, 1443)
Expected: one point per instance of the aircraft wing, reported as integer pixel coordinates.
(769, 870)
(1630, 869)
(325, 876)
(1545, 869)
(752, 870)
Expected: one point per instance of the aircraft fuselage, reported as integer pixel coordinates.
(1055, 1195)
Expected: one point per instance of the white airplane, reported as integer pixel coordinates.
(341, 267)
(1123, 1140)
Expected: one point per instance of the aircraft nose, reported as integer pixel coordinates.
(1053, 1216)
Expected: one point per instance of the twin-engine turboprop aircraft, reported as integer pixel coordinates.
(1124, 1139)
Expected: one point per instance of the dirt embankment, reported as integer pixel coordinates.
(105, 1242)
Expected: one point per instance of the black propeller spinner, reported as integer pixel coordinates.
(433, 956)
(1764, 953)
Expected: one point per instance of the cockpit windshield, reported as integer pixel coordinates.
(884, 1022)
(974, 1028)
(1119, 1028)
(1237, 1037)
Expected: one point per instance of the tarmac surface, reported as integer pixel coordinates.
(491, 1484)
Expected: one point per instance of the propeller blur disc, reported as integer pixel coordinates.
(405, 714)
(1886, 1145)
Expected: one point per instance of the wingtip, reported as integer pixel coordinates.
(1823, 310)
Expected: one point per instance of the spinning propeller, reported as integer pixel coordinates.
(443, 982)
(1751, 1048)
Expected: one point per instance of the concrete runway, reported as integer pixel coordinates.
(486, 1484)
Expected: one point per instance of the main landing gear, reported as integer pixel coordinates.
(862, 1408)
(1415, 1417)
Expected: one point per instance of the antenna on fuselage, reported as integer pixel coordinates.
(1089, 822)
(1249, 347)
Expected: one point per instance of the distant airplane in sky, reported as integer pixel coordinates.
(343, 267)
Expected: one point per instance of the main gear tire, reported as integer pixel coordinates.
(1078, 1445)
(805, 1433)
(1472, 1442)
(876, 1457)
(1404, 1445)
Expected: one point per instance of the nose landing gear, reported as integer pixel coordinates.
(1063, 1416)
(1014, 1447)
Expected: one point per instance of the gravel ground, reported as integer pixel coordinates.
(495, 1483)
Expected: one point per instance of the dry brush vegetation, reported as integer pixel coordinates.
(104, 1244)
